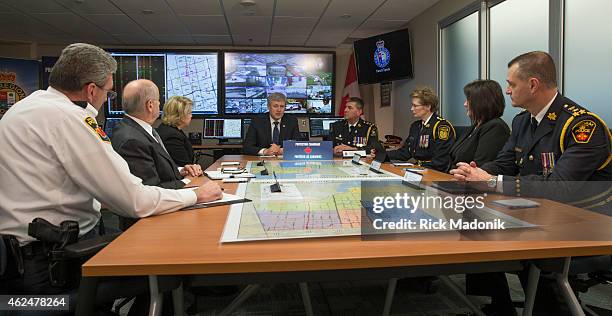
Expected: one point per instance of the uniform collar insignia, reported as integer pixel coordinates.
(552, 116)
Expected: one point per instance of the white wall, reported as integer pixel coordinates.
(424, 37)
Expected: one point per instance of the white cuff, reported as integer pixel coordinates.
(500, 184)
(188, 195)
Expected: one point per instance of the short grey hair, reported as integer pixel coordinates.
(276, 96)
(133, 103)
(80, 64)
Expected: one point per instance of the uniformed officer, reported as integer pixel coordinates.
(555, 149)
(430, 137)
(354, 133)
(56, 163)
(554, 140)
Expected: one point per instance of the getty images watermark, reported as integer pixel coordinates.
(421, 212)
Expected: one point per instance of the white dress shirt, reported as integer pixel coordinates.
(55, 166)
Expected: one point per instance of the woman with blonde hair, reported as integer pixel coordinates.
(177, 116)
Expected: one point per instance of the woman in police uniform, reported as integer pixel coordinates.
(430, 138)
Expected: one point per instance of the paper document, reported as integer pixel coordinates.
(218, 175)
(226, 199)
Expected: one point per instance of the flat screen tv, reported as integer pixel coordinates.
(189, 74)
(306, 79)
(384, 57)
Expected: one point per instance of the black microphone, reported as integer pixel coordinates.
(264, 172)
(276, 186)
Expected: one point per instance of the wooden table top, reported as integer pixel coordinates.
(189, 243)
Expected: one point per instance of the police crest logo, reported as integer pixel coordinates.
(97, 129)
(443, 132)
(583, 131)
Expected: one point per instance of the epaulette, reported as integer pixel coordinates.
(575, 110)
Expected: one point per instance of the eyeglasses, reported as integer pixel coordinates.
(110, 94)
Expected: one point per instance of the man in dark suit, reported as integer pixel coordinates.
(354, 133)
(557, 149)
(267, 133)
(139, 144)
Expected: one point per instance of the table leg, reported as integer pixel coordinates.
(306, 298)
(567, 291)
(532, 288)
(178, 301)
(243, 296)
(86, 303)
(155, 307)
(389, 297)
(451, 285)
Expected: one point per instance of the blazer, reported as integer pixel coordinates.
(480, 144)
(259, 134)
(177, 144)
(145, 156)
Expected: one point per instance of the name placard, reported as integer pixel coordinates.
(297, 150)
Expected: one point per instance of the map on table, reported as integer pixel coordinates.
(292, 171)
(318, 199)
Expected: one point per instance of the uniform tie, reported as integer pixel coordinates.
(276, 134)
(534, 125)
(351, 129)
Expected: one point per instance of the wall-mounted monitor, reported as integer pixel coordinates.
(222, 128)
(321, 126)
(307, 79)
(384, 57)
(190, 74)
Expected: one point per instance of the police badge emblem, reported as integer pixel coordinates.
(382, 57)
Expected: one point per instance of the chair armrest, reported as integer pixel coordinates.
(88, 247)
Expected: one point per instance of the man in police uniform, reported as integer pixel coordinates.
(555, 147)
(353, 132)
(56, 163)
(430, 137)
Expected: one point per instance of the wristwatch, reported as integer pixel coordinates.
(492, 182)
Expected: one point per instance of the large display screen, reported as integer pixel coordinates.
(192, 75)
(305, 78)
(384, 57)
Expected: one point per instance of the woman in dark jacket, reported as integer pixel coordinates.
(488, 134)
(176, 116)
(481, 143)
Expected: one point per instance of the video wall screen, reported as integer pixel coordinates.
(190, 74)
(307, 79)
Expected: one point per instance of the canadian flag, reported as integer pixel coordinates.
(351, 88)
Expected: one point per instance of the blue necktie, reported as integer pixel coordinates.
(276, 134)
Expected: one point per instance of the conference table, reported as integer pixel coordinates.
(188, 243)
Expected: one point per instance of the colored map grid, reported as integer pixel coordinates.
(194, 77)
(334, 211)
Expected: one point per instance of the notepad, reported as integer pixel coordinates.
(225, 200)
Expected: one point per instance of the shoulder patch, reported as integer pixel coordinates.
(97, 129)
(583, 131)
(443, 132)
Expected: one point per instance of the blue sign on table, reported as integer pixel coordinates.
(297, 150)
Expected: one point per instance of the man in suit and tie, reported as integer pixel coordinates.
(267, 133)
(139, 144)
